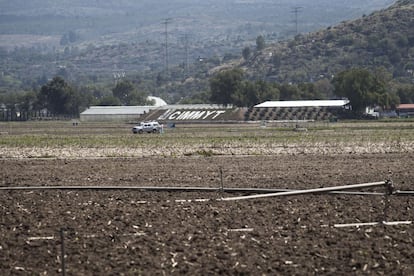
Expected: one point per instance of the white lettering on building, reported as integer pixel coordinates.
(219, 112)
(192, 115)
(208, 114)
(174, 115)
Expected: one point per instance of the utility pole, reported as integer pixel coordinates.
(186, 54)
(165, 22)
(296, 11)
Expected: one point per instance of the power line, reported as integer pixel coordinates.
(296, 11)
(186, 68)
(165, 22)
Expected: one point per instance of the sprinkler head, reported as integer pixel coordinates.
(390, 187)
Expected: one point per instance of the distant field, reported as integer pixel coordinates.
(61, 139)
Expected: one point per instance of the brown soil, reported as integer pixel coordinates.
(150, 233)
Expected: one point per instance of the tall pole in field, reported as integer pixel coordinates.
(165, 22)
(186, 61)
(186, 55)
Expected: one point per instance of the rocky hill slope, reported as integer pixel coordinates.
(382, 39)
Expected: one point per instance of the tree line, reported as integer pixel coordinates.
(362, 87)
(59, 98)
(230, 87)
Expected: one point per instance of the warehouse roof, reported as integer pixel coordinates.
(117, 110)
(313, 103)
(196, 106)
(125, 110)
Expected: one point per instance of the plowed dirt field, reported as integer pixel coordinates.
(124, 232)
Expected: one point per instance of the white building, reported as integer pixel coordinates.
(311, 103)
(119, 113)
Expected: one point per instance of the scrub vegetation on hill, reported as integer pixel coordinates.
(382, 39)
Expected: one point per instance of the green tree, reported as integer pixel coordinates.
(259, 91)
(325, 88)
(260, 43)
(91, 94)
(357, 85)
(9, 100)
(246, 53)
(127, 94)
(363, 89)
(59, 97)
(109, 101)
(28, 101)
(405, 92)
(289, 92)
(309, 91)
(245, 94)
(123, 90)
(224, 85)
(229, 87)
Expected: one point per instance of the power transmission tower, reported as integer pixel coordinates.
(296, 11)
(165, 22)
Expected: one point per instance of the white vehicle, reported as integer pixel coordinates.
(149, 127)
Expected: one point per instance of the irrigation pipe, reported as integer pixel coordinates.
(399, 192)
(175, 189)
(387, 223)
(310, 191)
(268, 192)
(141, 188)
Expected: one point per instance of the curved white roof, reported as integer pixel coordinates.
(314, 103)
(157, 100)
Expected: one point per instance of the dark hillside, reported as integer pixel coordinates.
(382, 39)
(91, 41)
